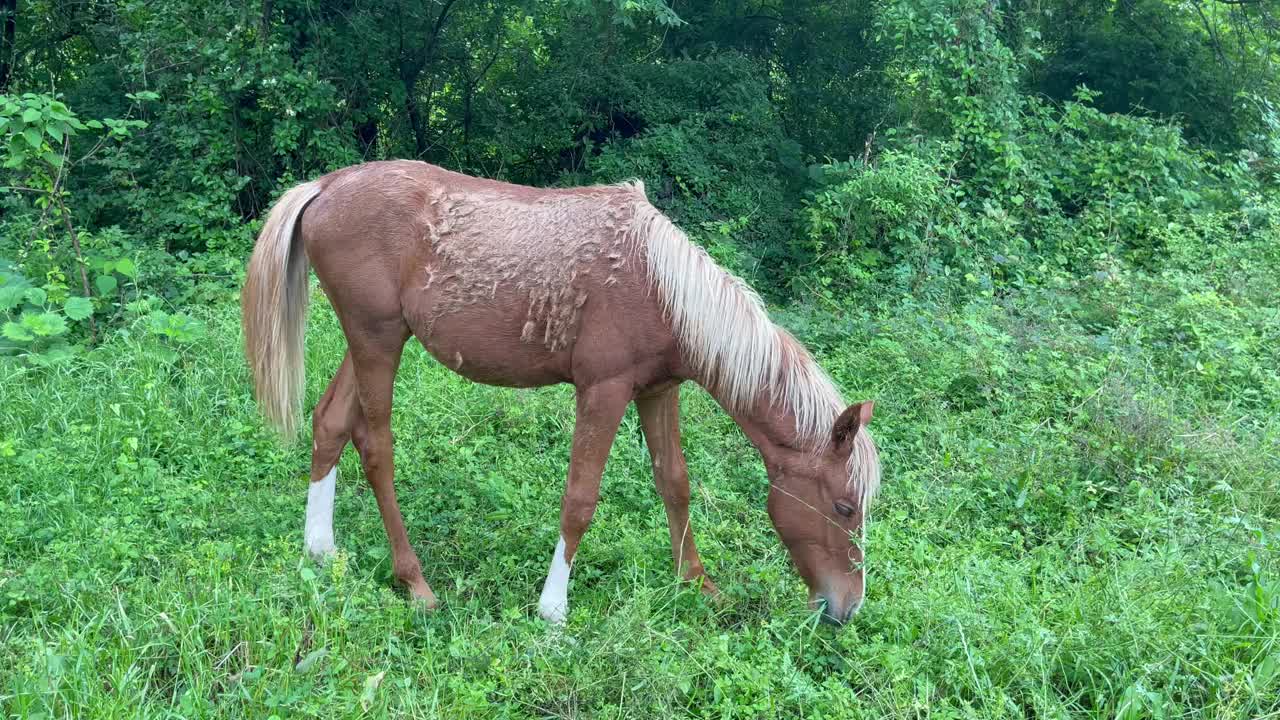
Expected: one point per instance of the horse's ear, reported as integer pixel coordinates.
(854, 417)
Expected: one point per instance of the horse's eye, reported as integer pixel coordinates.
(845, 509)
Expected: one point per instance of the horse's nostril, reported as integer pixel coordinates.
(830, 614)
(854, 608)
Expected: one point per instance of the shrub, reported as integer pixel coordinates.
(709, 152)
(1078, 189)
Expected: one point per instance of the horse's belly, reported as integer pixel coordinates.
(494, 320)
(485, 347)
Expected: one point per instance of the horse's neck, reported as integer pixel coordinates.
(764, 423)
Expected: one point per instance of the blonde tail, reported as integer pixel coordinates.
(274, 307)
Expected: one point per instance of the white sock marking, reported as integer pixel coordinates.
(319, 528)
(553, 606)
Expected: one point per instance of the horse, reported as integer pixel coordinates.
(517, 286)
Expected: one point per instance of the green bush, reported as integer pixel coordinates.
(894, 218)
(709, 152)
(1087, 187)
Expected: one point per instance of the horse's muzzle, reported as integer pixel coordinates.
(836, 613)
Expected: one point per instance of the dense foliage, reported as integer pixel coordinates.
(1045, 236)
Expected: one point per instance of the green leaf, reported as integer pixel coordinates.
(106, 284)
(178, 327)
(78, 308)
(125, 267)
(371, 684)
(45, 324)
(308, 574)
(36, 296)
(30, 115)
(94, 124)
(52, 355)
(16, 332)
(55, 131)
(11, 296)
(52, 158)
(32, 136)
(17, 152)
(310, 660)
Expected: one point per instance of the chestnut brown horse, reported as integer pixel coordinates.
(524, 287)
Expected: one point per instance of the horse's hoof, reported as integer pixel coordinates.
(553, 613)
(321, 556)
(709, 590)
(421, 596)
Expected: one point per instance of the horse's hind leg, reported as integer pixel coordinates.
(375, 355)
(335, 418)
(660, 420)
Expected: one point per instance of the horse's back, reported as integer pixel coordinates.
(500, 282)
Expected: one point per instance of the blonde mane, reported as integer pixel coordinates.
(726, 335)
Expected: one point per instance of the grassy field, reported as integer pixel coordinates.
(1079, 519)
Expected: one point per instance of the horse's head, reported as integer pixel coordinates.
(818, 504)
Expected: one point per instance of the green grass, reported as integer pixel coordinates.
(1079, 519)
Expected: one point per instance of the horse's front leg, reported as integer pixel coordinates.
(600, 409)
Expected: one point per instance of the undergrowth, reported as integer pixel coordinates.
(1078, 519)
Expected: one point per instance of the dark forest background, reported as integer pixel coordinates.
(812, 144)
